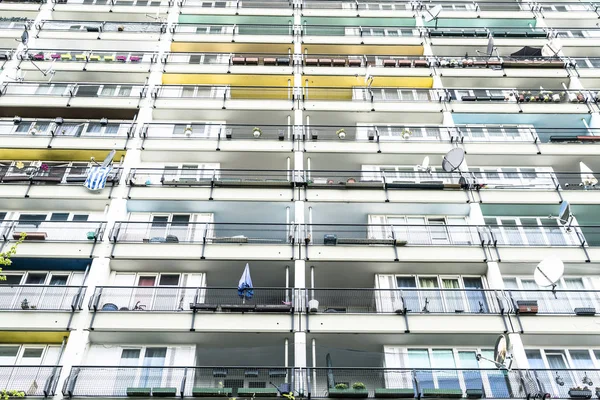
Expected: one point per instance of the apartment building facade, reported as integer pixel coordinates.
(306, 139)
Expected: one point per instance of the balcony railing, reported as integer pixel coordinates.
(211, 178)
(248, 59)
(208, 131)
(521, 95)
(211, 299)
(373, 95)
(52, 175)
(402, 301)
(496, 32)
(240, 4)
(549, 302)
(15, 24)
(60, 127)
(41, 297)
(422, 382)
(53, 231)
(223, 92)
(120, 3)
(101, 26)
(33, 381)
(84, 56)
(203, 232)
(360, 31)
(177, 381)
(234, 29)
(70, 90)
(575, 33)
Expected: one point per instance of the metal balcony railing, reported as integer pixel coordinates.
(402, 301)
(549, 302)
(574, 33)
(496, 32)
(223, 92)
(232, 59)
(52, 175)
(60, 127)
(85, 56)
(373, 94)
(234, 29)
(240, 4)
(322, 179)
(23, 1)
(364, 60)
(207, 131)
(360, 31)
(120, 3)
(177, 381)
(584, 62)
(203, 232)
(211, 178)
(213, 299)
(33, 381)
(101, 26)
(15, 24)
(53, 231)
(522, 95)
(41, 297)
(70, 90)
(422, 382)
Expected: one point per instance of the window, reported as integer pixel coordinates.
(418, 230)
(515, 177)
(531, 231)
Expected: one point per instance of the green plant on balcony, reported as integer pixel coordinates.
(7, 394)
(341, 386)
(256, 132)
(580, 393)
(358, 390)
(358, 386)
(341, 133)
(5, 256)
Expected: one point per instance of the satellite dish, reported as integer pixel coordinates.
(551, 49)
(424, 165)
(25, 37)
(108, 160)
(587, 175)
(502, 349)
(564, 213)
(433, 13)
(490, 46)
(548, 272)
(453, 159)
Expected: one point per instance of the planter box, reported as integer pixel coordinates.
(580, 394)
(395, 393)
(138, 392)
(266, 392)
(349, 393)
(585, 311)
(164, 392)
(443, 393)
(31, 235)
(211, 392)
(527, 306)
(474, 393)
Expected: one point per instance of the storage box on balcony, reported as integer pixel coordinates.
(585, 311)
(164, 392)
(443, 393)
(211, 392)
(474, 393)
(259, 392)
(138, 392)
(385, 393)
(527, 306)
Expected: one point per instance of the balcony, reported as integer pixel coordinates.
(37, 183)
(23, 133)
(110, 10)
(33, 381)
(368, 35)
(361, 8)
(189, 381)
(119, 101)
(220, 63)
(261, 7)
(213, 241)
(220, 33)
(20, 9)
(205, 136)
(40, 308)
(428, 382)
(100, 35)
(220, 184)
(201, 309)
(87, 65)
(357, 64)
(54, 238)
(199, 101)
(12, 28)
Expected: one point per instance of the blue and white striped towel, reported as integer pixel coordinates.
(97, 177)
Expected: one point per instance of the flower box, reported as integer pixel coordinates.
(580, 394)
(122, 58)
(262, 392)
(527, 306)
(164, 392)
(394, 393)
(211, 392)
(138, 392)
(348, 393)
(134, 58)
(443, 393)
(474, 393)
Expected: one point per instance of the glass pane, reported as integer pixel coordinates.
(447, 379)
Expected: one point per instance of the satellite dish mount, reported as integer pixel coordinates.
(502, 353)
(453, 159)
(548, 272)
(433, 14)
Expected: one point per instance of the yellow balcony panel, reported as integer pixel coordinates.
(57, 154)
(252, 48)
(227, 79)
(329, 93)
(378, 81)
(46, 337)
(261, 93)
(392, 50)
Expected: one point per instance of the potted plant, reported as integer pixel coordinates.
(580, 393)
(6, 394)
(358, 390)
(256, 132)
(598, 392)
(406, 133)
(341, 133)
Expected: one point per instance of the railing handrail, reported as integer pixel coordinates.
(191, 287)
(43, 286)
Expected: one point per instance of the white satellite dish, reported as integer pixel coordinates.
(108, 160)
(564, 214)
(548, 272)
(587, 175)
(490, 46)
(502, 353)
(433, 13)
(25, 37)
(424, 165)
(453, 159)
(551, 49)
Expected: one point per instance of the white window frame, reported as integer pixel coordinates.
(569, 238)
(503, 177)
